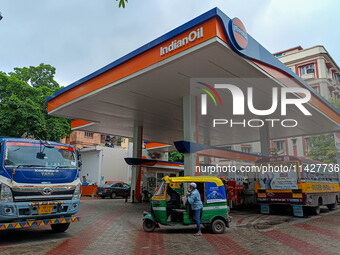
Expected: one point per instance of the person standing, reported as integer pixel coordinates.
(194, 199)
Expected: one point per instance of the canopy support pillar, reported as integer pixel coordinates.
(136, 169)
(190, 133)
(264, 140)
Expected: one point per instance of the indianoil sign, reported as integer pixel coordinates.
(176, 44)
(238, 32)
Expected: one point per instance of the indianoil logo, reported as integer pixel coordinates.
(238, 33)
(176, 44)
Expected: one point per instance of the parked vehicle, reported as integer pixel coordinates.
(215, 212)
(113, 190)
(302, 183)
(113, 182)
(39, 184)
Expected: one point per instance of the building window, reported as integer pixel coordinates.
(307, 69)
(337, 77)
(307, 144)
(246, 149)
(316, 88)
(88, 134)
(279, 145)
(159, 177)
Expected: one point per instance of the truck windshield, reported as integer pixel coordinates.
(22, 154)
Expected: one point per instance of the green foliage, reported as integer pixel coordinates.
(122, 3)
(323, 148)
(275, 152)
(23, 107)
(336, 102)
(176, 156)
(37, 76)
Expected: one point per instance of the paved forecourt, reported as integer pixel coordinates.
(114, 227)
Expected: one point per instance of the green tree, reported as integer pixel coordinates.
(37, 76)
(176, 156)
(336, 102)
(122, 3)
(323, 146)
(275, 152)
(23, 110)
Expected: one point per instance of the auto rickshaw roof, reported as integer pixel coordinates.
(213, 179)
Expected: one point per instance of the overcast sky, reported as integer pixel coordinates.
(81, 36)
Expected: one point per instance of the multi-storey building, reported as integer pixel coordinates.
(82, 139)
(86, 139)
(316, 66)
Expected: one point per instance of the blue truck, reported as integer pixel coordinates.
(39, 184)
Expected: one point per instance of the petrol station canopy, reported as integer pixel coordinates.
(147, 86)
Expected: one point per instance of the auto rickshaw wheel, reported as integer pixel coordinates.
(218, 226)
(149, 225)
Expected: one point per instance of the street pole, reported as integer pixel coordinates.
(337, 145)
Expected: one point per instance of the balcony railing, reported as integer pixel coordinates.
(308, 76)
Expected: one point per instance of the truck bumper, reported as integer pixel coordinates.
(30, 210)
(35, 223)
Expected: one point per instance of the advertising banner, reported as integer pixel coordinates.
(278, 180)
(215, 193)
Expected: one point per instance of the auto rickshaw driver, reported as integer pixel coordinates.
(174, 202)
(194, 199)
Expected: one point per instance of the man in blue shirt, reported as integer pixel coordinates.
(194, 198)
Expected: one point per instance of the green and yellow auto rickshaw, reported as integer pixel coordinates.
(170, 208)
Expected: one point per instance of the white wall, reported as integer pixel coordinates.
(114, 167)
(100, 164)
(90, 166)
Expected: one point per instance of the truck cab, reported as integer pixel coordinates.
(38, 180)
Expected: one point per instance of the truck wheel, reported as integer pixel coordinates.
(113, 195)
(333, 206)
(149, 225)
(218, 226)
(59, 228)
(316, 210)
(103, 197)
